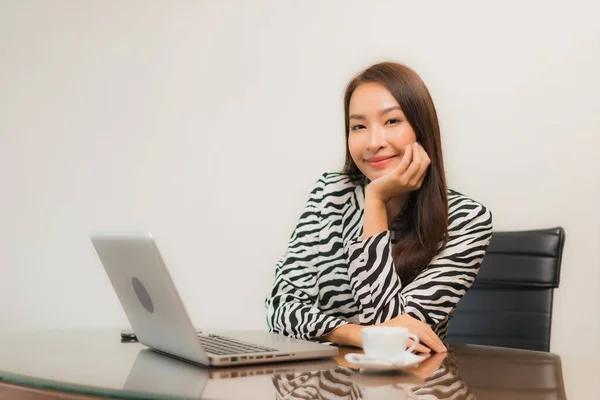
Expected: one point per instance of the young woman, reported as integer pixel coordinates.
(384, 242)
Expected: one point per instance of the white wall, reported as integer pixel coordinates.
(207, 123)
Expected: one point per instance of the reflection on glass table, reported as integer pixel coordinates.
(97, 363)
(466, 372)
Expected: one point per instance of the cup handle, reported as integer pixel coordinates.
(415, 339)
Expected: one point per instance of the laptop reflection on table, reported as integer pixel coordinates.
(160, 376)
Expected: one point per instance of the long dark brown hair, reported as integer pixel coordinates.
(426, 214)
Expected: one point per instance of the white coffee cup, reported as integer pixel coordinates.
(387, 342)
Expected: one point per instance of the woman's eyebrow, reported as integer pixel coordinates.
(390, 109)
(382, 112)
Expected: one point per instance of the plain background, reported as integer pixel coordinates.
(208, 122)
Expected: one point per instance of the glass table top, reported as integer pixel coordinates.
(97, 362)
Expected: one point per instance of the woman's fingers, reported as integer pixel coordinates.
(406, 160)
(414, 174)
(420, 348)
(428, 337)
(435, 344)
(425, 339)
(411, 176)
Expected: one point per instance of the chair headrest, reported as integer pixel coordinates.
(523, 259)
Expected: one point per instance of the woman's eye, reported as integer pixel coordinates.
(357, 127)
(392, 121)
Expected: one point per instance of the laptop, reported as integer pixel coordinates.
(160, 321)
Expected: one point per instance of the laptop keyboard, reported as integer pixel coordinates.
(221, 345)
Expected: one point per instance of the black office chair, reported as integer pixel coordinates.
(510, 303)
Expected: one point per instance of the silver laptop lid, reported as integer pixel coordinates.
(147, 293)
(159, 319)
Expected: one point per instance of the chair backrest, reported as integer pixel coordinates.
(510, 303)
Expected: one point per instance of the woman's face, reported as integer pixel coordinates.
(379, 132)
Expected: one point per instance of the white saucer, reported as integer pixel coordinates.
(390, 364)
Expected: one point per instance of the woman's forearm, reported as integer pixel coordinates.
(375, 218)
(345, 335)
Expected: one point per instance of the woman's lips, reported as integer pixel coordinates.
(380, 162)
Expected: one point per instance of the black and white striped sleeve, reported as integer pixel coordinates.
(435, 292)
(291, 305)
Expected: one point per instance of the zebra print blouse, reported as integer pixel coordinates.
(329, 276)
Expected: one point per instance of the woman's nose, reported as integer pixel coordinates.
(376, 139)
